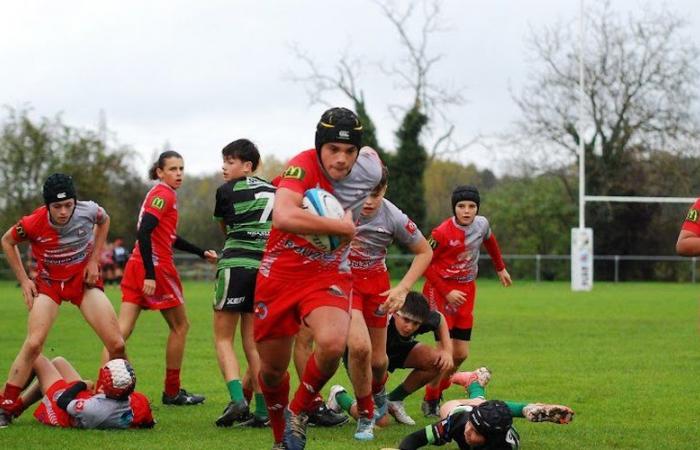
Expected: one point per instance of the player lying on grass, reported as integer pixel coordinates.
(405, 352)
(476, 423)
(69, 401)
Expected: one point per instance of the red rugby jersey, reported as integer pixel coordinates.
(161, 202)
(61, 252)
(286, 254)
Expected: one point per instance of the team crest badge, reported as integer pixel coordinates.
(260, 310)
(692, 215)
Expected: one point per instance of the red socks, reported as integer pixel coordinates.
(276, 399)
(172, 382)
(312, 380)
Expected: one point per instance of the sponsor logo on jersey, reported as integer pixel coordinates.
(692, 215)
(411, 227)
(294, 172)
(158, 203)
(455, 242)
(260, 310)
(79, 405)
(82, 231)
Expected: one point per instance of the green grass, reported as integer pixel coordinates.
(626, 357)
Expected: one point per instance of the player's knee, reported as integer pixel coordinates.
(33, 346)
(59, 360)
(116, 347)
(181, 327)
(272, 376)
(332, 347)
(380, 361)
(360, 352)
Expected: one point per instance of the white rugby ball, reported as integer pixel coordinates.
(322, 203)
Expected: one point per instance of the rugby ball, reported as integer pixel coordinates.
(322, 203)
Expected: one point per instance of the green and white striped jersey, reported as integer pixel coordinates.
(245, 207)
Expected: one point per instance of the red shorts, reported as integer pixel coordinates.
(461, 317)
(168, 292)
(366, 288)
(48, 411)
(71, 290)
(281, 305)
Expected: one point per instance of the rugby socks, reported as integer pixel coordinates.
(398, 394)
(344, 400)
(172, 382)
(11, 401)
(276, 399)
(235, 390)
(444, 384)
(475, 390)
(260, 407)
(312, 380)
(12, 392)
(248, 394)
(377, 386)
(432, 393)
(516, 408)
(365, 406)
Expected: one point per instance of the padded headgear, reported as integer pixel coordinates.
(465, 192)
(493, 420)
(338, 125)
(117, 379)
(57, 188)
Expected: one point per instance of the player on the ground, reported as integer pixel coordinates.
(243, 209)
(451, 277)
(151, 281)
(69, 401)
(475, 423)
(404, 351)
(298, 282)
(66, 237)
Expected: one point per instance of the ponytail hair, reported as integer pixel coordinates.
(160, 163)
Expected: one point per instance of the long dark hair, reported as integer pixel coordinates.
(160, 163)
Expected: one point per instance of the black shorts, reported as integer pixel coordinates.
(398, 352)
(234, 290)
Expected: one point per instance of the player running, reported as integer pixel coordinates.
(66, 236)
(298, 282)
(451, 278)
(373, 298)
(151, 281)
(244, 211)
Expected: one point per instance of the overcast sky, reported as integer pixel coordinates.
(200, 74)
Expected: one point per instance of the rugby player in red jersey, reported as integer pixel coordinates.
(69, 401)
(298, 282)
(151, 281)
(450, 287)
(66, 237)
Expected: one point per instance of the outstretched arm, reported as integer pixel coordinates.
(396, 296)
(494, 250)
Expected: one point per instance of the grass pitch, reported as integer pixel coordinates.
(625, 357)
